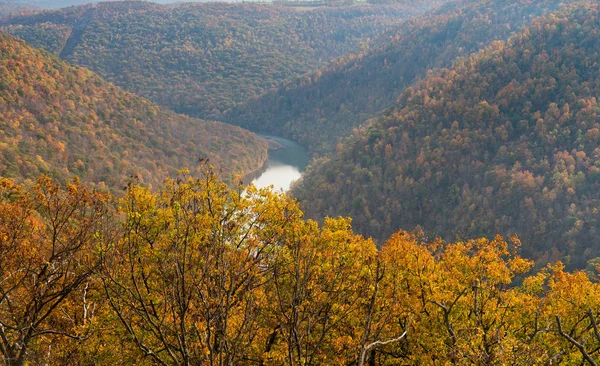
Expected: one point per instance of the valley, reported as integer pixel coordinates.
(382, 182)
(202, 59)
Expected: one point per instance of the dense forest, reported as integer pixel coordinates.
(451, 215)
(65, 121)
(504, 142)
(320, 107)
(202, 59)
(199, 273)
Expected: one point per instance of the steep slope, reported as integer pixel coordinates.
(65, 121)
(201, 59)
(318, 108)
(508, 141)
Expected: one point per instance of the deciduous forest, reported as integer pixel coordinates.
(202, 59)
(199, 273)
(322, 107)
(65, 121)
(502, 142)
(450, 212)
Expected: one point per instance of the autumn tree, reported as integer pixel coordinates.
(186, 279)
(48, 236)
(319, 280)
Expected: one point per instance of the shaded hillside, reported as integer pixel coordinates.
(65, 121)
(201, 59)
(318, 108)
(508, 141)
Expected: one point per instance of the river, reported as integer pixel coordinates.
(285, 164)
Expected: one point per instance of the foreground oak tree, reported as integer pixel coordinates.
(48, 236)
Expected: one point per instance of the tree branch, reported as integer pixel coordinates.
(579, 346)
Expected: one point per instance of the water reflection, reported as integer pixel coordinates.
(285, 165)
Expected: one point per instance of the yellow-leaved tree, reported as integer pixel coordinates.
(48, 237)
(202, 273)
(186, 279)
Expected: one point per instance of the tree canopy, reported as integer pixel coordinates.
(198, 272)
(503, 142)
(66, 121)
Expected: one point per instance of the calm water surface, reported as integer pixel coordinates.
(284, 166)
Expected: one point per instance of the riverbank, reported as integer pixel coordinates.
(272, 144)
(285, 164)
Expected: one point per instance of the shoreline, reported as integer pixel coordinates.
(284, 156)
(272, 145)
(248, 178)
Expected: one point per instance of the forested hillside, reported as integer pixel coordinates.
(201, 59)
(9, 7)
(507, 141)
(66, 121)
(322, 106)
(466, 166)
(196, 273)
